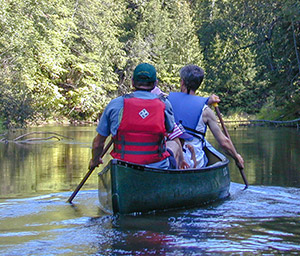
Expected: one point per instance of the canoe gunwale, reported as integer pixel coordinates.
(169, 171)
(222, 163)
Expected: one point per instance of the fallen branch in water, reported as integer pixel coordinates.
(23, 139)
(30, 133)
(39, 139)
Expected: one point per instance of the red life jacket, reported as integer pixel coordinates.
(141, 135)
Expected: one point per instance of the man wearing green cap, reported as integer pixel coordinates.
(138, 123)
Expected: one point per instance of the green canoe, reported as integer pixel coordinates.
(129, 188)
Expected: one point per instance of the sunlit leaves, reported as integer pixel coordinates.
(71, 57)
(165, 35)
(249, 53)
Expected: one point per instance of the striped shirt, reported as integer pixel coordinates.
(175, 133)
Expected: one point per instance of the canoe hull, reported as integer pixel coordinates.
(135, 188)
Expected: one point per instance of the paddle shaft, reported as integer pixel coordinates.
(227, 135)
(88, 173)
(222, 122)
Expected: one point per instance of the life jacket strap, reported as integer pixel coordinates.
(130, 152)
(160, 143)
(195, 133)
(127, 143)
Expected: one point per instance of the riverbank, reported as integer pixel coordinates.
(231, 121)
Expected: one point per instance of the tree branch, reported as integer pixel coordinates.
(39, 139)
(266, 39)
(30, 133)
(295, 45)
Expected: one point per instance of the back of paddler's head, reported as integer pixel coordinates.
(144, 77)
(192, 77)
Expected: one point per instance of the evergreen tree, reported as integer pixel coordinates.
(70, 58)
(65, 53)
(244, 50)
(96, 54)
(164, 35)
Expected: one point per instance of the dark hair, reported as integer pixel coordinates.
(192, 77)
(144, 86)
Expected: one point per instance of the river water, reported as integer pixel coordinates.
(38, 177)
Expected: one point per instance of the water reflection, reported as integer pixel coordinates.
(146, 236)
(259, 221)
(262, 220)
(43, 167)
(271, 155)
(271, 158)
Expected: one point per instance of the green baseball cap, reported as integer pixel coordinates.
(144, 72)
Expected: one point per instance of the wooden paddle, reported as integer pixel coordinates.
(227, 135)
(88, 173)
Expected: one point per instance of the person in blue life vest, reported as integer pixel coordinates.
(194, 114)
(179, 135)
(138, 123)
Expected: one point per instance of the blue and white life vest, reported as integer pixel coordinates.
(187, 111)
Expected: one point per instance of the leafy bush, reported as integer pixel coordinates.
(69, 58)
(15, 105)
(1, 125)
(286, 112)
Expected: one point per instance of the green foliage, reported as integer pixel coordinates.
(1, 125)
(94, 53)
(65, 53)
(167, 39)
(269, 112)
(287, 112)
(15, 105)
(230, 67)
(70, 58)
(249, 51)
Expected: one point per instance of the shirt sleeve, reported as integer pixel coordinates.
(207, 98)
(111, 118)
(169, 116)
(175, 133)
(103, 127)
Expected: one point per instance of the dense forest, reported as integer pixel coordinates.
(67, 59)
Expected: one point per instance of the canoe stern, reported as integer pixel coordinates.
(133, 188)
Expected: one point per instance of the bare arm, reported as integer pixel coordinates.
(182, 164)
(193, 154)
(210, 119)
(97, 149)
